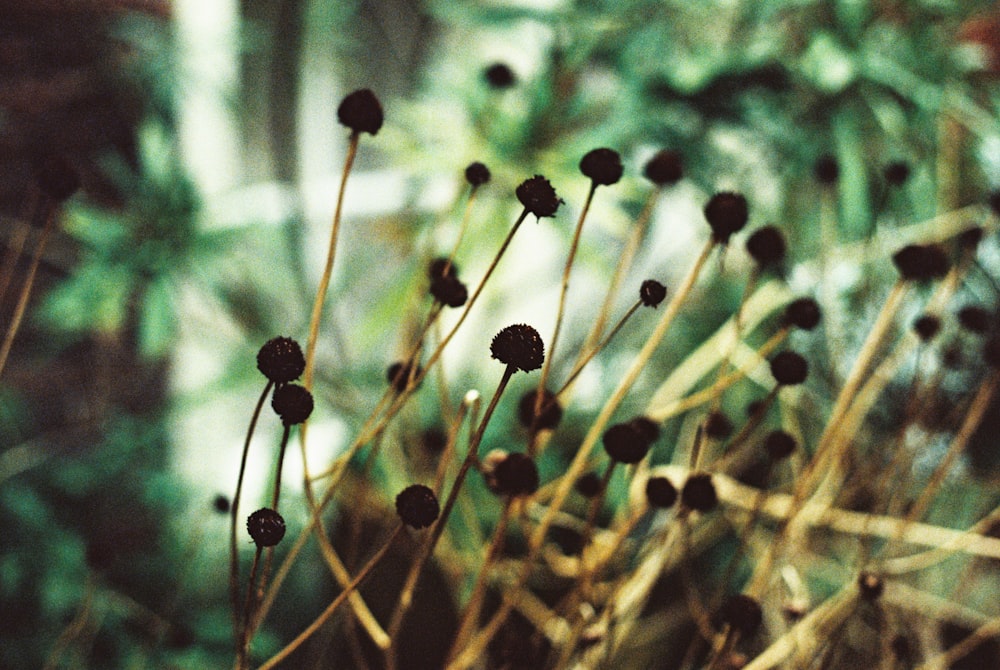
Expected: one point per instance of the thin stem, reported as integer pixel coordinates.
(281, 462)
(16, 243)
(245, 633)
(589, 356)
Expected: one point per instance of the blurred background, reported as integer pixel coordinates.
(206, 138)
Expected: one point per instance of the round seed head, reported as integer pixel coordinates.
(919, 262)
(741, 613)
(448, 290)
(870, 586)
(652, 293)
(477, 174)
(434, 440)
(441, 267)
(549, 416)
(660, 493)
(293, 403)
(499, 76)
(281, 360)
(516, 475)
(221, 504)
(398, 375)
(974, 319)
(361, 112)
(625, 443)
(603, 166)
(718, 426)
(789, 368)
(417, 506)
(266, 527)
(803, 313)
(896, 173)
(766, 246)
(698, 492)
(56, 178)
(649, 429)
(664, 168)
(538, 196)
(826, 170)
(519, 346)
(589, 485)
(726, 213)
(778, 444)
(927, 326)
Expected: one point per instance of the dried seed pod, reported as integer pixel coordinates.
(538, 197)
(441, 267)
(549, 416)
(266, 527)
(519, 346)
(516, 475)
(718, 426)
(803, 313)
(361, 111)
(648, 428)
(664, 168)
(477, 174)
(602, 166)
(766, 246)
(927, 326)
(499, 76)
(789, 368)
(726, 213)
(589, 485)
(626, 443)
(896, 173)
(652, 293)
(293, 403)
(741, 613)
(448, 290)
(698, 492)
(660, 493)
(399, 373)
(826, 171)
(281, 360)
(417, 506)
(778, 444)
(920, 262)
(974, 319)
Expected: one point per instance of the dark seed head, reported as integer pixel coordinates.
(448, 290)
(293, 403)
(361, 112)
(477, 174)
(516, 475)
(789, 368)
(281, 360)
(626, 443)
(778, 444)
(434, 440)
(918, 262)
(398, 375)
(652, 293)
(221, 504)
(718, 426)
(589, 485)
(870, 586)
(974, 319)
(499, 76)
(970, 238)
(826, 170)
(699, 493)
(803, 313)
(603, 166)
(538, 196)
(726, 213)
(519, 346)
(896, 173)
(57, 178)
(417, 506)
(741, 613)
(660, 493)
(441, 267)
(927, 326)
(664, 168)
(649, 429)
(266, 527)
(549, 416)
(766, 246)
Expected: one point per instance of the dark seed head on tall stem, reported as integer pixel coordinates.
(293, 403)
(519, 346)
(803, 313)
(516, 475)
(726, 213)
(660, 493)
(603, 166)
(921, 262)
(766, 246)
(449, 290)
(789, 368)
(927, 326)
(664, 168)
(441, 267)
(549, 416)
(538, 196)
(499, 76)
(477, 174)
(281, 360)
(652, 293)
(626, 442)
(361, 111)
(398, 375)
(698, 492)
(589, 484)
(826, 170)
(778, 444)
(266, 527)
(417, 506)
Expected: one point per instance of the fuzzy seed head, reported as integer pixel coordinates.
(665, 168)
(726, 213)
(519, 346)
(826, 170)
(741, 613)
(789, 368)
(927, 326)
(448, 290)
(266, 527)
(499, 76)
(589, 485)
(626, 443)
(549, 416)
(441, 267)
(603, 166)
(974, 319)
(516, 476)
(803, 313)
(660, 493)
(718, 426)
(896, 173)
(361, 111)
(767, 246)
(417, 506)
(477, 174)
(698, 492)
(281, 360)
(920, 262)
(398, 375)
(652, 293)
(778, 444)
(293, 403)
(538, 197)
